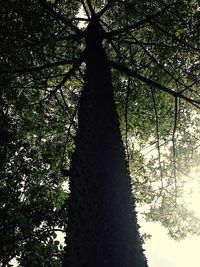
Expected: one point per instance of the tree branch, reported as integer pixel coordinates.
(154, 59)
(75, 66)
(190, 85)
(153, 83)
(157, 134)
(174, 143)
(70, 37)
(58, 16)
(85, 8)
(69, 131)
(105, 8)
(128, 28)
(65, 107)
(130, 42)
(90, 7)
(45, 66)
(126, 117)
(173, 36)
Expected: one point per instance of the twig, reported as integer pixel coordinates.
(126, 117)
(190, 85)
(174, 143)
(69, 132)
(157, 135)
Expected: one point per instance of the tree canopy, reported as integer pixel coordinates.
(153, 51)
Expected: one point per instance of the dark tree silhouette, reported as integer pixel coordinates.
(102, 224)
(64, 66)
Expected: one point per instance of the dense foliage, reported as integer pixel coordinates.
(153, 51)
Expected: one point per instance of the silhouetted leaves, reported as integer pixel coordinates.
(41, 41)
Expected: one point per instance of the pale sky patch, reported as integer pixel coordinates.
(163, 251)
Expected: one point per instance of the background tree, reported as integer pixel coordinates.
(154, 62)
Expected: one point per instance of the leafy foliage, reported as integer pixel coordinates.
(155, 70)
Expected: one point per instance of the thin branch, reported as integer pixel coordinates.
(53, 92)
(70, 37)
(65, 107)
(189, 176)
(69, 132)
(151, 150)
(105, 8)
(78, 79)
(153, 83)
(126, 117)
(194, 93)
(90, 7)
(126, 29)
(144, 66)
(175, 118)
(58, 16)
(65, 103)
(154, 59)
(152, 144)
(117, 49)
(75, 66)
(80, 19)
(190, 85)
(110, 41)
(49, 230)
(146, 43)
(33, 45)
(60, 104)
(173, 36)
(45, 66)
(85, 8)
(157, 134)
(136, 25)
(174, 142)
(192, 135)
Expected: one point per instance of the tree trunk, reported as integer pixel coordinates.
(102, 225)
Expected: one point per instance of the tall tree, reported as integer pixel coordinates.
(102, 225)
(52, 49)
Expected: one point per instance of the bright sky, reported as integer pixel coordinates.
(163, 251)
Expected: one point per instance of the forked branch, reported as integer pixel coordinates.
(67, 76)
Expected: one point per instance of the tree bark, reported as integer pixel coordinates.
(102, 225)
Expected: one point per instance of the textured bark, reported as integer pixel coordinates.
(102, 225)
